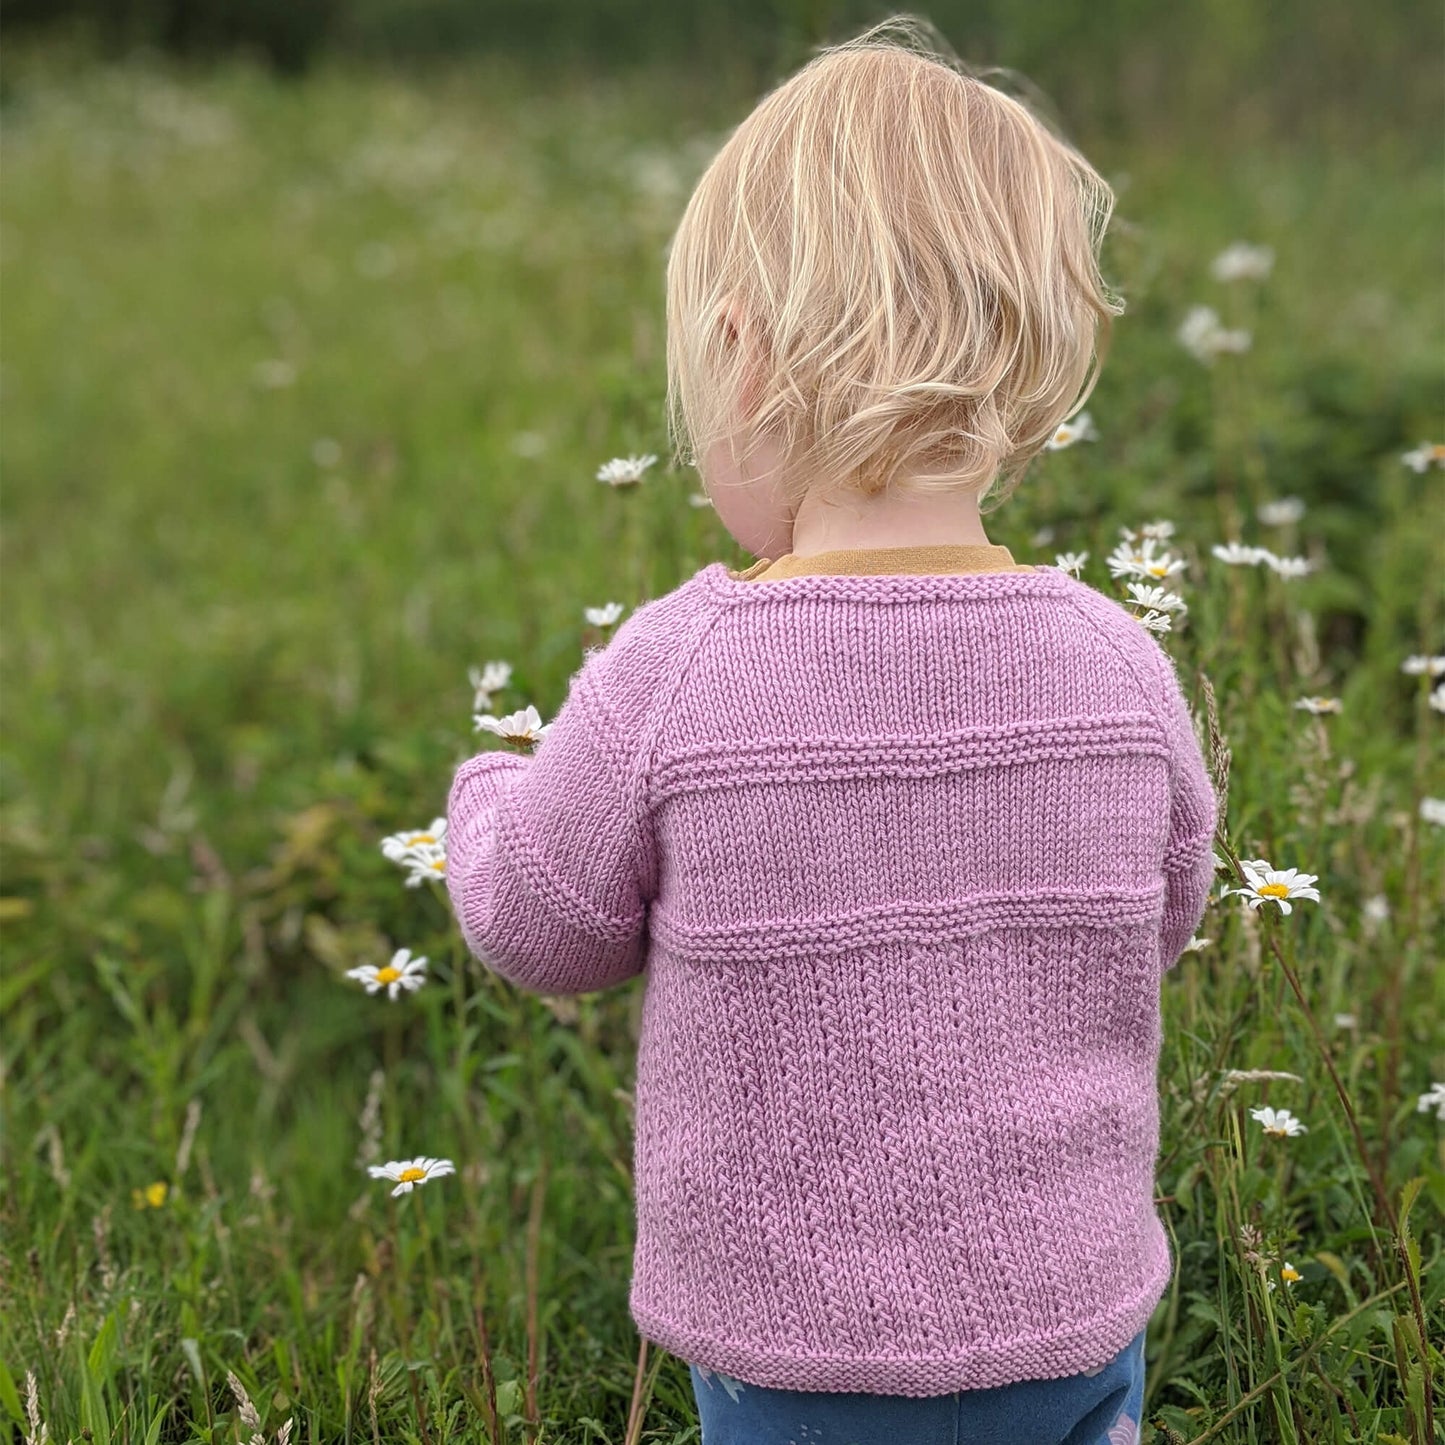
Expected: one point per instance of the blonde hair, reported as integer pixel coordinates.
(913, 256)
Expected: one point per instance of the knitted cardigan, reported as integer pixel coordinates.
(902, 860)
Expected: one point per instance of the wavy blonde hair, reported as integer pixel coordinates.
(913, 257)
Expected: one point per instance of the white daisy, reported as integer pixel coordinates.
(1284, 512)
(1432, 810)
(1437, 698)
(1239, 555)
(1432, 1098)
(1279, 1122)
(1289, 566)
(1318, 705)
(1417, 663)
(603, 616)
(1288, 1273)
(485, 680)
(699, 499)
(1346, 1021)
(408, 1173)
(1197, 944)
(1156, 621)
(403, 974)
(1161, 530)
(1204, 336)
(624, 471)
(1277, 885)
(525, 726)
(1138, 560)
(422, 852)
(1242, 262)
(1376, 908)
(1071, 562)
(1042, 537)
(1143, 595)
(1427, 454)
(1081, 429)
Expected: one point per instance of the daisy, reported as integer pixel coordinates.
(1081, 429)
(1071, 562)
(1426, 454)
(1203, 335)
(404, 974)
(1156, 621)
(1284, 512)
(699, 499)
(624, 471)
(1142, 595)
(1437, 698)
(408, 1173)
(603, 616)
(1242, 262)
(1128, 560)
(1161, 530)
(1432, 1098)
(1432, 810)
(1042, 537)
(1346, 1021)
(1376, 908)
(525, 726)
(1278, 885)
(1288, 1273)
(1417, 663)
(485, 680)
(1238, 555)
(1288, 566)
(1279, 1122)
(422, 852)
(1317, 705)
(1196, 944)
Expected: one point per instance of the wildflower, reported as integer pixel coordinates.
(1346, 1021)
(603, 616)
(273, 375)
(525, 726)
(1318, 705)
(699, 499)
(1287, 567)
(1144, 596)
(1242, 262)
(326, 452)
(1278, 885)
(403, 974)
(422, 852)
(1205, 337)
(624, 471)
(1437, 698)
(1376, 908)
(1432, 1098)
(151, 1197)
(1288, 1273)
(1071, 562)
(1417, 663)
(1432, 810)
(1221, 865)
(1042, 537)
(1156, 621)
(408, 1173)
(1238, 555)
(1425, 455)
(1081, 429)
(1161, 531)
(489, 678)
(1279, 1122)
(1197, 944)
(1284, 512)
(1128, 560)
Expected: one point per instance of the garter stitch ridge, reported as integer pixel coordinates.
(902, 860)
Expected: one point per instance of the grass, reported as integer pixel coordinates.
(235, 659)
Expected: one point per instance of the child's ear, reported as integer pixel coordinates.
(738, 330)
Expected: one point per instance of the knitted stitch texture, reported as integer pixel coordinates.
(903, 860)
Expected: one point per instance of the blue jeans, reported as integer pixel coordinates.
(1099, 1409)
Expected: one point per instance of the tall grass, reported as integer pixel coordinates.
(306, 387)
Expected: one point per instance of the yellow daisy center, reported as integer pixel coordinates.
(421, 838)
(1438, 450)
(439, 865)
(387, 974)
(1274, 890)
(1278, 1129)
(1157, 570)
(411, 1176)
(1289, 1272)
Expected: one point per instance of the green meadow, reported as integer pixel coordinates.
(306, 385)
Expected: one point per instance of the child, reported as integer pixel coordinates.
(901, 833)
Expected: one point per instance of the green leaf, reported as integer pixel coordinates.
(9, 1395)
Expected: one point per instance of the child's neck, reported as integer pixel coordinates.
(890, 520)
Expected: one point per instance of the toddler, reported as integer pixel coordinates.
(901, 833)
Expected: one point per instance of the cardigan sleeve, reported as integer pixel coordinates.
(547, 853)
(1189, 851)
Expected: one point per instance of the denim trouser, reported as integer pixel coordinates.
(1099, 1409)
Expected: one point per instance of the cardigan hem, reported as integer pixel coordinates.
(1030, 1357)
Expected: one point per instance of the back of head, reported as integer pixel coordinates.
(911, 256)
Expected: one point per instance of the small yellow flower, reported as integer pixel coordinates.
(151, 1197)
(1288, 1273)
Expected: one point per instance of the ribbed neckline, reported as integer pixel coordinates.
(951, 558)
(721, 580)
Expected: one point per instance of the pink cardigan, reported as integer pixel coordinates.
(902, 860)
